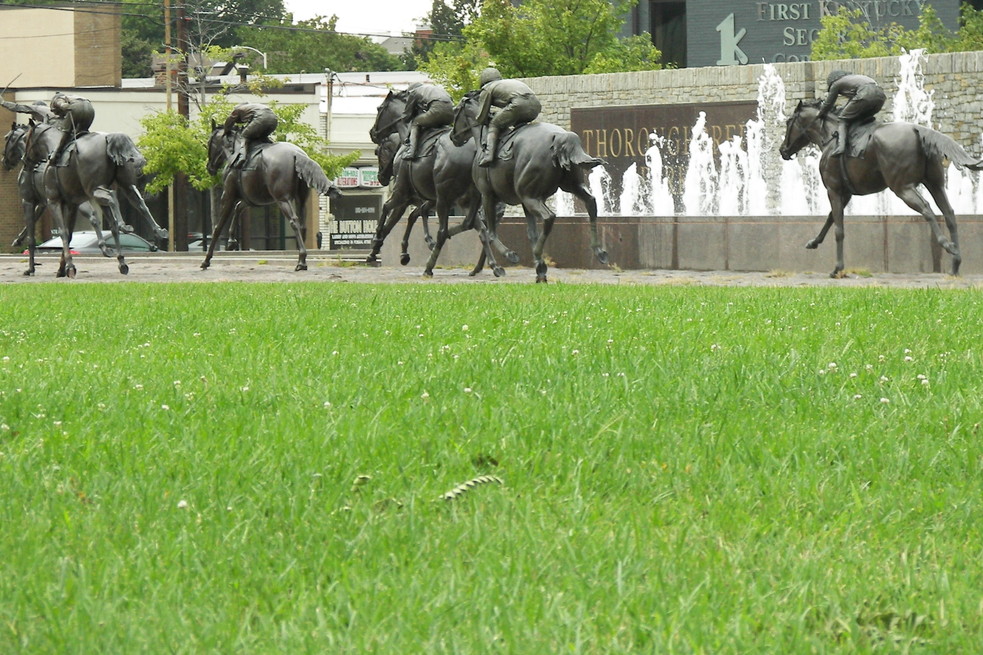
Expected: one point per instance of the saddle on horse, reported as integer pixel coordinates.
(428, 142)
(505, 142)
(858, 136)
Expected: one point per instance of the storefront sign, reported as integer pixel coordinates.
(348, 178)
(754, 32)
(622, 136)
(355, 219)
(368, 177)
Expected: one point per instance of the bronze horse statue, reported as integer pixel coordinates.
(543, 159)
(274, 174)
(899, 157)
(440, 177)
(30, 188)
(93, 165)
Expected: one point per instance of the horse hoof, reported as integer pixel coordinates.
(28, 273)
(301, 267)
(498, 271)
(812, 245)
(126, 228)
(124, 269)
(541, 279)
(837, 275)
(428, 273)
(404, 259)
(204, 266)
(602, 256)
(70, 271)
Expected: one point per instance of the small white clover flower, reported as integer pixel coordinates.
(885, 400)
(857, 396)
(831, 366)
(465, 328)
(182, 504)
(467, 389)
(425, 396)
(166, 408)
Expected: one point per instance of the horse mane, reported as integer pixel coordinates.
(813, 103)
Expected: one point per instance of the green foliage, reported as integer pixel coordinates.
(446, 22)
(848, 35)
(636, 53)
(316, 45)
(970, 35)
(543, 37)
(456, 66)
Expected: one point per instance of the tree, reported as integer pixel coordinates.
(314, 45)
(848, 35)
(542, 37)
(447, 23)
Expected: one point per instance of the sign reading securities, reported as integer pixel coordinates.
(621, 136)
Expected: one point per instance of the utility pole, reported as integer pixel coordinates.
(179, 231)
(167, 93)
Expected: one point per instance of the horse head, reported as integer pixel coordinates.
(14, 145)
(389, 117)
(219, 148)
(385, 153)
(465, 118)
(804, 127)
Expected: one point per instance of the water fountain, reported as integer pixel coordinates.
(730, 180)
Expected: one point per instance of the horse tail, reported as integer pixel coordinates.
(936, 144)
(569, 152)
(123, 151)
(312, 175)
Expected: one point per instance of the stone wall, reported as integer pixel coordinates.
(954, 79)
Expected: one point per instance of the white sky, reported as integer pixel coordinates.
(364, 16)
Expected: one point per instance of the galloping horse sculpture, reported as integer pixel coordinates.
(899, 157)
(30, 188)
(275, 174)
(439, 178)
(544, 158)
(96, 164)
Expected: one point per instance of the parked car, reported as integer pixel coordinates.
(85, 243)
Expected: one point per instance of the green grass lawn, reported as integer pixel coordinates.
(250, 468)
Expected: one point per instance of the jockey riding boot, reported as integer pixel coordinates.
(491, 148)
(412, 142)
(841, 139)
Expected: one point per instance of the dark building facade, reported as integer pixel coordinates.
(712, 33)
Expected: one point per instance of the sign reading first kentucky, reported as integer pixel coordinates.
(757, 31)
